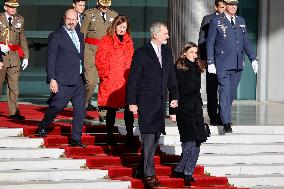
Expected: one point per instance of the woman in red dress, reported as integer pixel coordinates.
(113, 60)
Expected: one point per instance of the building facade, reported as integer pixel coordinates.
(264, 20)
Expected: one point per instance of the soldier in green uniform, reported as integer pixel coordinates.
(94, 26)
(14, 47)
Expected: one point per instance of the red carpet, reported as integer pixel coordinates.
(120, 162)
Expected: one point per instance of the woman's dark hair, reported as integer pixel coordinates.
(181, 61)
(117, 21)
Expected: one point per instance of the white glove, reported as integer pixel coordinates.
(25, 63)
(4, 48)
(212, 68)
(254, 65)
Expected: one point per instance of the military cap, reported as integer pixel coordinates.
(11, 3)
(105, 3)
(232, 2)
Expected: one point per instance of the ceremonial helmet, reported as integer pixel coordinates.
(11, 3)
(105, 3)
(232, 2)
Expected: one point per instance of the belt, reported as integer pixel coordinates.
(16, 48)
(92, 41)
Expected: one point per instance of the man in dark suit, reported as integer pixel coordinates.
(152, 72)
(211, 79)
(65, 58)
(227, 40)
(79, 7)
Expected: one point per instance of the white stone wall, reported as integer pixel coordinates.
(275, 51)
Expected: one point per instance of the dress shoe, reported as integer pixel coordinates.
(151, 182)
(188, 179)
(17, 117)
(90, 107)
(227, 128)
(41, 132)
(77, 143)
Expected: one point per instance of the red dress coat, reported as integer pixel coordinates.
(113, 60)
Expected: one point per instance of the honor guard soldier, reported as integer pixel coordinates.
(14, 47)
(226, 43)
(94, 26)
(211, 79)
(79, 7)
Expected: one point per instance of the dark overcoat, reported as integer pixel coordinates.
(190, 119)
(148, 84)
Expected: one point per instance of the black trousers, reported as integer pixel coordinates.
(128, 118)
(58, 101)
(146, 166)
(212, 96)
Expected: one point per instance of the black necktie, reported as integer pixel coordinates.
(103, 16)
(10, 21)
(81, 18)
(232, 22)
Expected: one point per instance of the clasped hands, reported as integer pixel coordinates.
(173, 104)
(5, 49)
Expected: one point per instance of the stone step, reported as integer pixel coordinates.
(17, 153)
(228, 148)
(52, 175)
(229, 139)
(259, 181)
(246, 159)
(37, 164)
(20, 142)
(215, 130)
(9, 132)
(72, 184)
(237, 169)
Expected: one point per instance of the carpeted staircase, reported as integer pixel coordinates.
(119, 161)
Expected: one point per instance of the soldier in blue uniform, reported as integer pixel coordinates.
(211, 79)
(226, 42)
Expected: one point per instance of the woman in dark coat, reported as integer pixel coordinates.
(189, 114)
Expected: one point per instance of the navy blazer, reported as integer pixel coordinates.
(63, 59)
(148, 84)
(225, 45)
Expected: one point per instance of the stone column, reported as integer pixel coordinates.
(185, 17)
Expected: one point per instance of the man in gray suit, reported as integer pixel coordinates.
(211, 79)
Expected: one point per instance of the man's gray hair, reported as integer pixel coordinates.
(155, 28)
